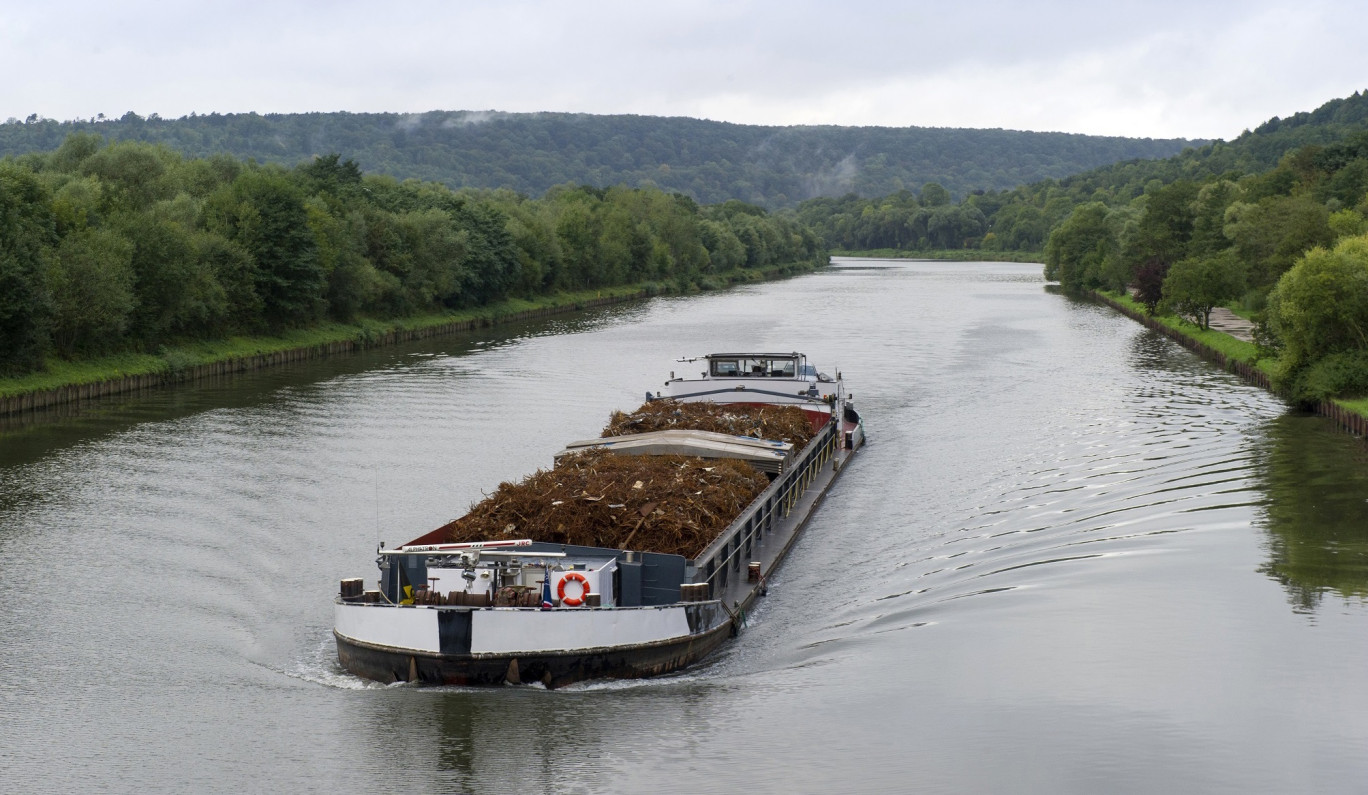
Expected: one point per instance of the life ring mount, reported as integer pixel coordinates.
(584, 589)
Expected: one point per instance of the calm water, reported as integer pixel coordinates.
(1074, 559)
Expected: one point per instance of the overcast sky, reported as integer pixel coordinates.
(1191, 69)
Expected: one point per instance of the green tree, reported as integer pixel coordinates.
(133, 175)
(436, 253)
(232, 268)
(1020, 227)
(263, 211)
(91, 279)
(1271, 234)
(1196, 285)
(577, 232)
(1319, 313)
(1208, 217)
(725, 250)
(1163, 230)
(176, 294)
(1080, 248)
(330, 174)
(1347, 223)
(1349, 183)
(934, 195)
(954, 226)
(532, 231)
(76, 204)
(27, 234)
(352, 284)
(74, 151)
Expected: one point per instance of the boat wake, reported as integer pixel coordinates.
(317, 664)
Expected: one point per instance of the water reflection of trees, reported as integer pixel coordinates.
(1316, 511)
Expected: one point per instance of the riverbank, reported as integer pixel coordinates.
(1236, 356)
(949, 255)
(67, 382)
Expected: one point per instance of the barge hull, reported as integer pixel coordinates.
(553, 669)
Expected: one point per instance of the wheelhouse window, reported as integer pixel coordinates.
(748, 367)
(724, 368)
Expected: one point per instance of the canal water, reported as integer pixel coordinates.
(1073, 558)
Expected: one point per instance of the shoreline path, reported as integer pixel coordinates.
(1224, 320)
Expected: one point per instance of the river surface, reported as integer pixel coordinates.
(1074, 558)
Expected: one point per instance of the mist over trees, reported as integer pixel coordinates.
(708, 161)
(1271, 221)
(131, 246)
(1022, 217)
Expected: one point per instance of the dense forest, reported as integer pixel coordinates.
(1021, 218)
(708, 161)
(131, 246)
(1272, 222)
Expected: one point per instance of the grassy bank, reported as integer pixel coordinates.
(1228, 346)
(1237, 351)
(949, 255)
(1357, 405)
(172, 360)
(61, 373)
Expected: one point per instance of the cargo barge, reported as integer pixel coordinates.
(518, 610)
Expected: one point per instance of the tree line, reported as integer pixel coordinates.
(1288, 244)
(709, 161)
(922, 221)
(1021, 217)
(1272, 221)
(130, 246)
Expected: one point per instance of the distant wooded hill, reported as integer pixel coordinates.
(1253, 152)
(1321, 156)
(707, 160)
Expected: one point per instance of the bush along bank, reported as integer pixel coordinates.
(1236, 356)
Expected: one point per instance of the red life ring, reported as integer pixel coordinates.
(584, 589)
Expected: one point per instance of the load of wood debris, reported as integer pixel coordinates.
(670, 504)
(780, 423)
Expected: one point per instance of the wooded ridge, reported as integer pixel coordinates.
(708, 161)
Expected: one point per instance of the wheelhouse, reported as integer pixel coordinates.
(753, 365)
